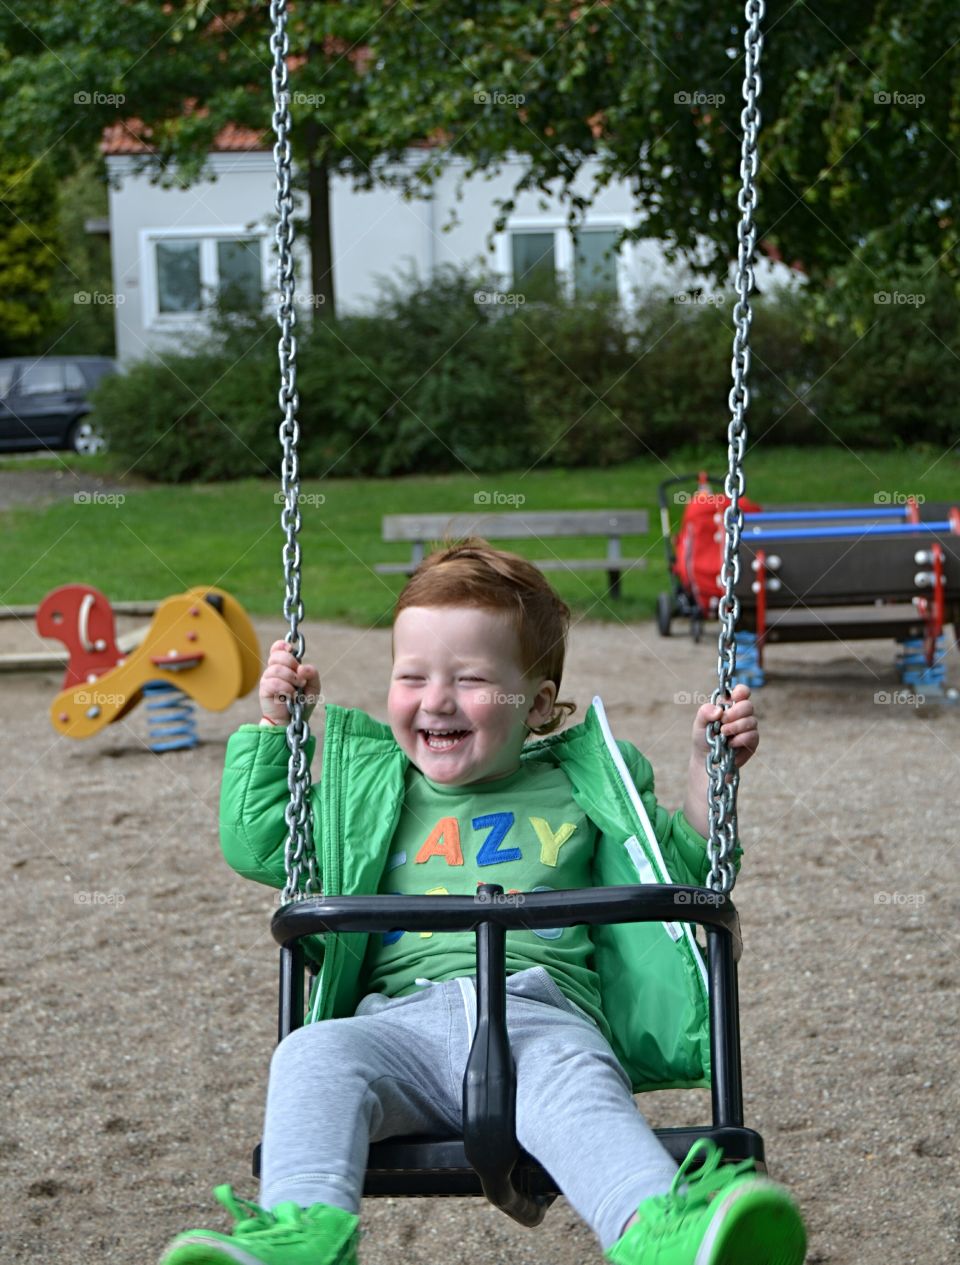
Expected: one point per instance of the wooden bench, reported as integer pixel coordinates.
(524, 525)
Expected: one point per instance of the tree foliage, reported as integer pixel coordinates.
(29, 243)
(861, 107)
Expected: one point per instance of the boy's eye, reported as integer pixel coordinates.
(473, 678)
(406, 677)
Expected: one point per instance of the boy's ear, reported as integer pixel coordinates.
(541, 708)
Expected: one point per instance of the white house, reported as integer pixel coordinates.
(171, 248)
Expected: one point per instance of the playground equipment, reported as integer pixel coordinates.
(694, 554)
(822, 573)
(488, 1159)
(852, 573)
(200, 644)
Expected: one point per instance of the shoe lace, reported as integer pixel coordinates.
(247, 1215)
(690, 1192)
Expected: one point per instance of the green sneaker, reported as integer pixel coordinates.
(289, 1235)
(718, 1215)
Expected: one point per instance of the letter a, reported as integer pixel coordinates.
(550, 843)
(443, 841)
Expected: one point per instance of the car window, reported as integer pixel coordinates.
(73, 378)
(6, 378)
(41, 379)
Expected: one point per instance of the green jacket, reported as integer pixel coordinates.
(652, 975)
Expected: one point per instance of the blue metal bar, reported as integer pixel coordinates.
(810, 516)
(837, 533)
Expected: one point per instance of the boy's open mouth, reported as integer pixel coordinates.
(443, 739)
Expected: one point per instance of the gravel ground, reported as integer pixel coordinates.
(139, 983)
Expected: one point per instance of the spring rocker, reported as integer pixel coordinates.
(200, 646)
(487, 1159)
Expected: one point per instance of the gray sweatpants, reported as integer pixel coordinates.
(396, 1067)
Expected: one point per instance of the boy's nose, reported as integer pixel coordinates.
(438, 700)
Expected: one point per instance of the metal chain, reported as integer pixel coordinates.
(299, 857)
(724, 777)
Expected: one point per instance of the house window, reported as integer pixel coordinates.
(584, 264)
(239, 269)
(178, 276)
(534, 264)
(190, 270)
(595, 262)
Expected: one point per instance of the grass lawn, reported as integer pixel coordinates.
(163, 538)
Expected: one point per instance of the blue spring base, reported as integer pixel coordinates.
(926, 680)
(749, 672)
(171, 718)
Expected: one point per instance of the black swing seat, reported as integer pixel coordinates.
(488, 1160)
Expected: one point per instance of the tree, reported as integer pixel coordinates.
(29, 243)
(858, 176)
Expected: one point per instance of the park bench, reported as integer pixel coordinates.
(524, 525)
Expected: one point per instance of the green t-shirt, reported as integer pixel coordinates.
(523, 831)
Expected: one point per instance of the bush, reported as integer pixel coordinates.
(433, 381)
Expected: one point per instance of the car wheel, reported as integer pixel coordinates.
(84, 438)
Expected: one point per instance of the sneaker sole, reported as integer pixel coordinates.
(751, 1228)
(204, 1249)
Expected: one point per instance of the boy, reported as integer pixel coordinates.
(444, 798)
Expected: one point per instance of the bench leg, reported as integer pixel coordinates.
(614, 579)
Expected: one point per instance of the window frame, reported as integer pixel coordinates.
(207, 236)
(563, 250)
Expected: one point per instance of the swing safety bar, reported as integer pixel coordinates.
(490, 1161)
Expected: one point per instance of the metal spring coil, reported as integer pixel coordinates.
(171, 717)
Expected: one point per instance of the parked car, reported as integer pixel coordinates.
(43, 402)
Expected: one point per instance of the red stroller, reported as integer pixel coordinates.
(695, 554)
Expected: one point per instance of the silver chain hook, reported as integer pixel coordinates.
(299, 858)
(723, 774)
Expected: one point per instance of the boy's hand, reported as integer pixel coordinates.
(281, 678)
(739, 725)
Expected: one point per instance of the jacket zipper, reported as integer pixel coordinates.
(330, 868)
(636, 803)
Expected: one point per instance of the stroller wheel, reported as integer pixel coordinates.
(664, 613)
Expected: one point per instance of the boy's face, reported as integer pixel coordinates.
(456, 670)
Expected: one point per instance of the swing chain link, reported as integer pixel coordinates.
(724, 777)
(299, 857)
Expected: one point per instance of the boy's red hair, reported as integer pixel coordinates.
(472, 573)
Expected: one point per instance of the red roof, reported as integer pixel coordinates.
(132, 137)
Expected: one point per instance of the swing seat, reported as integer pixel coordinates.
(487, 1159)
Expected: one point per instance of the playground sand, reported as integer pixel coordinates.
(139, 976)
